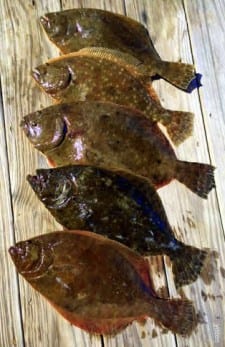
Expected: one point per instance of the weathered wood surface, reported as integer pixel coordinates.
(193, 31)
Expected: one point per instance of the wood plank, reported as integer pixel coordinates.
(10, 313)
(135, 335)
(207, 31)
(195, 221)
(27, 46)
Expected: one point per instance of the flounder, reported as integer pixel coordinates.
(95, 283)
(85, 76)
(72, 30)
(122, 207)
(112, 136)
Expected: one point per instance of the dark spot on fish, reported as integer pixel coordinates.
(222, 271)
(33, 2)
(154, 333)
(210, 115)
(105, 117)
(111, 90)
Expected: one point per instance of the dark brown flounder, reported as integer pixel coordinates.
(125, 208)
(95, 283)
(112, 136)
(84, 76)
(72, 30)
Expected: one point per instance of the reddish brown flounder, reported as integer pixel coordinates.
(112, 136)
(72, 30)
(123, 207)
(94, 283)
(84, 76)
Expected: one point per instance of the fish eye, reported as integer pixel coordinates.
(63, 187)
(61, 194)
(33, 123)
(78, 28)
(36, 260)
(56, 25)
(53, 77)
(45, 132)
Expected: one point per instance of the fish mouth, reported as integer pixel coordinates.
(33, 179)
(45, 21)
(25, 125)
(16, 252)
(36, 74)
(13, 251)
(38, 182)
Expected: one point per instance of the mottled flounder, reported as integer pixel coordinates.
(84, 76)
(72, 30)
(112, 136)
(94, 283)
(125, 208)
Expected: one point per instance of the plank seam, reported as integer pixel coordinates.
(168, 289)
(102, 341)
(124, 7)
(12, 212)
(202, 112)
(162, 257)
(199, 97)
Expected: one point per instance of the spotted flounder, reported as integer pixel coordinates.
(74, 29)
(123, 207)
(96, 283)
(85, 76)
(112, 136)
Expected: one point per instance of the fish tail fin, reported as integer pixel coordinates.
(182, 76)
(176, 315)
(198, 177)
(179, 125)
(188, 263)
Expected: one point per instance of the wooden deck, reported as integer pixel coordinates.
(186, 30)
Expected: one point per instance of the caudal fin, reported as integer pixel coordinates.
(188, 263)
(181, 75)
(176, 315)
(179, 125)
(199, 178)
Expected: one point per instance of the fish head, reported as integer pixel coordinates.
(54, 188)
(52, 77)
(31, 258)
(73, 30)
(55, 24)
(44, 129)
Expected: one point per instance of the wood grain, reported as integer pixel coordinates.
(192, 31)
